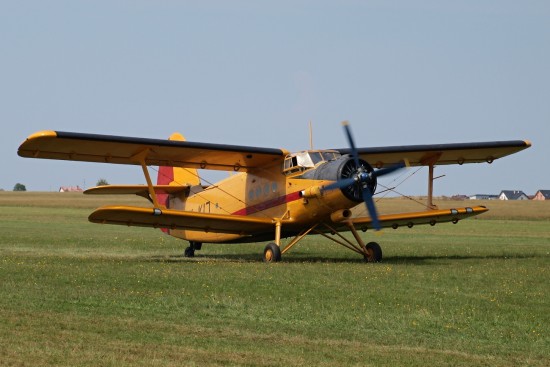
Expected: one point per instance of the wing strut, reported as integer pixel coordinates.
(431, 187)
(140, 158)
(430, 161)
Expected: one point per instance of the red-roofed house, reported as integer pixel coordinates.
(70, 189)
(542, 195)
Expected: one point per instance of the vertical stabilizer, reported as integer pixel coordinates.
(175, 176)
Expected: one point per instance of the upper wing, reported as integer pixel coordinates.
(178, 219)
(157, 152)
(423, 155)
(418, 218)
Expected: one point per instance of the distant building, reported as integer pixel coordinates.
(483, 197)
(512, 195)
(542, 195)
(70, 189)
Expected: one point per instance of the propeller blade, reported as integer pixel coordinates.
(347, 129)
(339, 184)
(369, 202)
(386, 171)
(361, 177)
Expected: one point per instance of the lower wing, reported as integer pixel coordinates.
(431, 217)
(183, 220)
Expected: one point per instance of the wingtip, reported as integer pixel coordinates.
(43, 133)
(25, 149)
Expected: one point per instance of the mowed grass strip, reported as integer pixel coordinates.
(75, 293)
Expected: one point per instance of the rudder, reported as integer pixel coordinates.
(177, 176)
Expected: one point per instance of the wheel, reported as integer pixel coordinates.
(272, 253)
(189, 252)
(374, 253)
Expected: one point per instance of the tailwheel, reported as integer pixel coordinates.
(189, 252)
(374, 253)
(272, 253)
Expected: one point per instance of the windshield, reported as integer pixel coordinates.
(302, 161)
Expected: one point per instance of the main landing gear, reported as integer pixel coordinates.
(190, 251)
(374, 252)
(371, 252)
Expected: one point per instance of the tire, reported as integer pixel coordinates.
(189, 252)
(272, 253)
(374, 252)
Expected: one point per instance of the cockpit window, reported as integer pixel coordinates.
(329, 156)
(316, 157)
(302, 161)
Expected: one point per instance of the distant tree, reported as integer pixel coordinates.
(101, 182)
(19, 187)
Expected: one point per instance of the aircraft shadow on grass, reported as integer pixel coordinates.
(394, 260)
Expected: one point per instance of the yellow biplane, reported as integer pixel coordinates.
(273, 194)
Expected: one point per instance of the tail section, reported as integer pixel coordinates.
(175, 176)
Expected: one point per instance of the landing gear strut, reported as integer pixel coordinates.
(190, 251)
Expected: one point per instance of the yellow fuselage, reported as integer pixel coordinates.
(268, 194)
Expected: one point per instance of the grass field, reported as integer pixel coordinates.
(74, 293)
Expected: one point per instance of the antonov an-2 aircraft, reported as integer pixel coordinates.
(273, 194)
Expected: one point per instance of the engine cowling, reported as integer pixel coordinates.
(345, 168)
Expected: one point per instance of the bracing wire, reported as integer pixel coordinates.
(388, 189)
(211, 185)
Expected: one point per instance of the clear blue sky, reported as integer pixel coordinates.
(255, 72)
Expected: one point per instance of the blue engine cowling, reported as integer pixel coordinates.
(343, 168)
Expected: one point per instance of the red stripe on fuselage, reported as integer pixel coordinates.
(268, 204)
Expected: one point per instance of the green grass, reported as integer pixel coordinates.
(74, 293)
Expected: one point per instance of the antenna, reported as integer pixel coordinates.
(310, 136)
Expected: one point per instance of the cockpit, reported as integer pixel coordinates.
(302, 161)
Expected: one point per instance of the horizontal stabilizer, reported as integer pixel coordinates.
(141, 190)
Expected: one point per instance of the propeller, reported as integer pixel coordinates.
(363, 178)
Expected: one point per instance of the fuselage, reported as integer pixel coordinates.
(269, 192)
